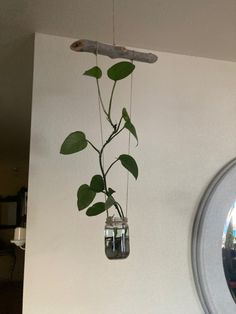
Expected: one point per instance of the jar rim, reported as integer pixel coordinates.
(113, 219)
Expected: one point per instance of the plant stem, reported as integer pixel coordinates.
(100, 98)
(104, 174)
(118, 125)
(110, 102)
(115, 132)
(103, 107)
(113, 136)
(110, 166)
(95, 148)
(121, 214)
(119, 206)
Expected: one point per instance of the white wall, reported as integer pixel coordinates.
(184, 109)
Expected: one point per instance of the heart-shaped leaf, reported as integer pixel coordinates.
(109, 202)
(74, 143)
(85, 196)
(130, 164)
(94, 72)
(120, 70)
(129, 126)
(96, 209)
(97, 183)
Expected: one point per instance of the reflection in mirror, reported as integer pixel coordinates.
(229, 250)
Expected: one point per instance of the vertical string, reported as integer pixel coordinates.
(130, 114)
(99, 111)
(130, 105)
(113, 23)
(100, 120)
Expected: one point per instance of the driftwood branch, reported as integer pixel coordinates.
(85, 45)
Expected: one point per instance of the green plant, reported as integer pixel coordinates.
(77, 141)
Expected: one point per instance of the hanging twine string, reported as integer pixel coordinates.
(100, 120)
(130, 106)
(113, 23)
(130, 114)
(99, 110)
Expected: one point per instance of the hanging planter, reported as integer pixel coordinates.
(116, 229)
(117, 244)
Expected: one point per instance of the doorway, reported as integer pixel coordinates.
(13, 212)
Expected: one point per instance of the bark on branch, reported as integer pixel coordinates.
(85, 45)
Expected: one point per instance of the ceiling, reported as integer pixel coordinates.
(205, 28)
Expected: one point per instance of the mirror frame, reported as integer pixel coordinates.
(207, 261)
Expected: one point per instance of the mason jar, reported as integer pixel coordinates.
(116, 238)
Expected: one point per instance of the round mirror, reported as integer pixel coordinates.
(212, 260)
(229, 251)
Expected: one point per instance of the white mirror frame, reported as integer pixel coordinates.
(207, 235)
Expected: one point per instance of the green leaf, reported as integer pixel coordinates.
(125, 115)
(110, 191)
(130, 164)
(97, 183)
(85, 196)
(94, 72)
(109, 202)
(129, 126)
(74, 143)
(120, 70)
(96, 209)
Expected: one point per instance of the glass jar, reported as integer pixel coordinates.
(116, 238)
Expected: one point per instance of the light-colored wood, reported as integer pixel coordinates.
(85, 45)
